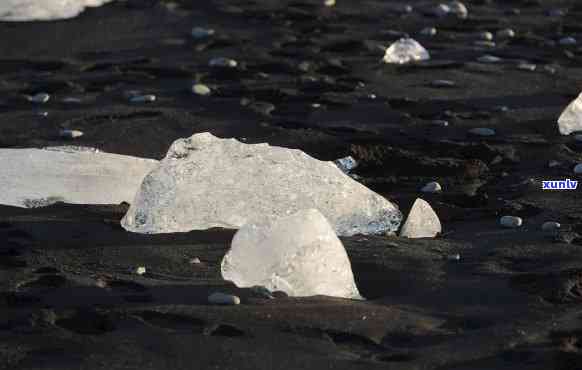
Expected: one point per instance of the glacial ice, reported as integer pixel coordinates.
(44, 10)
(206, 182)
(422, 221)
(39, 177)
(405, 50)
(298, 254)
(571, 118)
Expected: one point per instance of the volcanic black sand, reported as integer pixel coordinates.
(69, 298)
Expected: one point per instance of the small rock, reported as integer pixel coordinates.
(428, 31)
(201, 89)
(454, 257)
(443, 83)
(329, 3)
(506, 33)
(578, 168)
(202, 33)
(141, 270)
(71, 100)
(422, 221)
(70, 134)
(488, 59)
(223, 299)
(550, 226)
(526, 67)
(510, 221)
(459, 9)
(482, 131)
(195, 261)
(223, 62)
(485, 36)
(566, 41)
(432, 187)
(440, 123)
(143, 98)
(40, 98)
(405, 50)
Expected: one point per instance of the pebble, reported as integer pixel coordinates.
(223, 299)
(141, 270)
(201, 89)
(202, 33)
(443, 83)
(488, 59)
(223, 62)
(195, 261)
(439, 122)
(485, 35)
(143, 98)
(578, 168)
(428, 31)
(482, 131)
(565, 41)
(329, 2)
(550, 226)
(454, 257)
(511, 221)
(459, 9)
(70, 134)
(506, 33)
(39, 98)
(526, 67)
(441, 10)
(432, 187)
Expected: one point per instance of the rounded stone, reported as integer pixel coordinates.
(223, 299)
(143, 98)
(482, 131)
(70, 134)
(506, 33)
(488, 59)
(141, 270)
(551, 226)
(432, 187)
(510, 221)
(202, 33)
(201, 89)
(40, 98)
(428, 31)
(223, 62)
(578, 168)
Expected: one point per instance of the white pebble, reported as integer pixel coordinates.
(195, 261)
(202, 33)
(526, 67)
(441, 10)
(578, 168)
(39, 98)
(439, 122)
(459, 9)
(454, 257)
(432, 187)
(428, 31)
(511, 221)
(70, 134)
(224, 299)
(488, 59)
(143, 98)
(567, 41)
(506, 33)
(223, 62)
(485, 35)
(551, 226)
(140, 270)
(201, 89)
(329, 3)
(482, 131)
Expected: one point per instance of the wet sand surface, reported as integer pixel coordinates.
(69, 298)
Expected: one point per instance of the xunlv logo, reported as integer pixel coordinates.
(560, 184)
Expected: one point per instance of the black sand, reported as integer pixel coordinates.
(68, 298)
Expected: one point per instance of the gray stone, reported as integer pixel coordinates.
(422, 221)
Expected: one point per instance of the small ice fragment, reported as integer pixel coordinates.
(510, 221)
(405, 50)
(39, 98)
(422, 221)
(346, 164)
(141, 270)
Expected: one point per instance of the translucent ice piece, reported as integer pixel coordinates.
(422, 221)
(571, 118)
(40, 177)
(298, 254)
(405, 50)
(206, 182)
(44, 10)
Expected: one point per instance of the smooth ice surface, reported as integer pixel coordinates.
(571, 118)
(39, 177)
(422, 221)
(44, 10)
(404, 51)
(298, 254)
(206, 182)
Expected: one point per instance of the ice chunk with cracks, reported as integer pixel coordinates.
(405, 50)
(205, 182)
(298, 254)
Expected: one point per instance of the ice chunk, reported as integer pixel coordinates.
(571, 118)
(206, 182)
(422, 221)
(44, 10)
(298, 254)
(404, 51)
(39, 177)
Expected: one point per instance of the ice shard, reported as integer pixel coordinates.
(405, 50)
(206, 182)
(298, 254)
(39, 177)
(571, 118)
